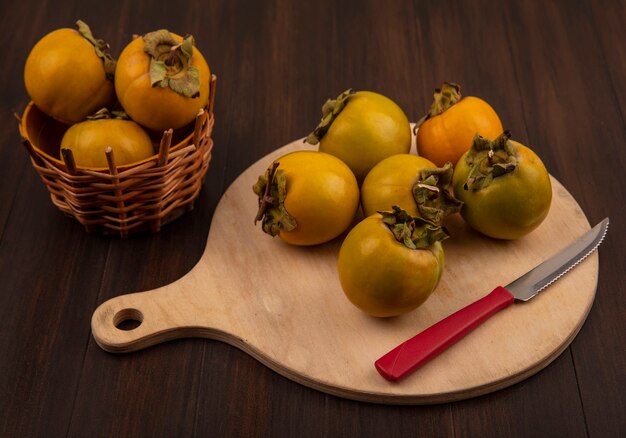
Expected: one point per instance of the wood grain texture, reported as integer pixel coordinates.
(551, 70)
(284, 306)
(577, 114)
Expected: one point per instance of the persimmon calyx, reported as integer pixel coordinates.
(170, 63)
(271, 188)
(105, 113)
(412, 232)
(434, 196)
(489, 159)
(330, 111)
(101, 48)
(443, 98)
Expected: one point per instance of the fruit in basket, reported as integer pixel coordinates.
(362, 128)
(69, 74)
(412, 183)
(390, 263)
(162, 80)
(447, 131)
(505, 187)
(88, 141)
(307, 198)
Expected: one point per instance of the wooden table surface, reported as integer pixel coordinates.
(554, 71)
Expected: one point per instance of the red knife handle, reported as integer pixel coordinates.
(418, 350)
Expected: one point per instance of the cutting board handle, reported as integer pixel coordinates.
(156, 312)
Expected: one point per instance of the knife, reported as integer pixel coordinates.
(418, 350)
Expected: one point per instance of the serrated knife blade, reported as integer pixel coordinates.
(418, 350)
(539, 278)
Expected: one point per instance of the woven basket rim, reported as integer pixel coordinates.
(61, 164)
(125, 171)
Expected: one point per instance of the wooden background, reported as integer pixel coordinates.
(553, 70)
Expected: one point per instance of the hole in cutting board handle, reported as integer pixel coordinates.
(128, 319)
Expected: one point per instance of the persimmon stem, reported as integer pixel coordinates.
(266, 200)
(172, 58)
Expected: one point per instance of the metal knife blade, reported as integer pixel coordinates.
(546, 273)
(418, 350)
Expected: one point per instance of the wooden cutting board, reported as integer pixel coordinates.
(284, 306)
